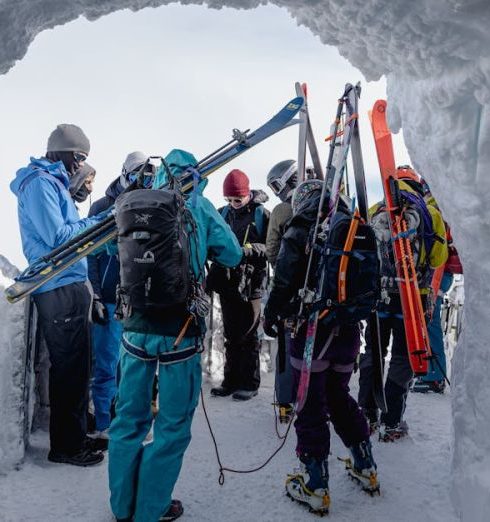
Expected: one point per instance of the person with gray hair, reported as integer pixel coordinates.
(48, 218)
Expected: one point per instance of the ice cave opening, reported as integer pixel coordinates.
(435, 55)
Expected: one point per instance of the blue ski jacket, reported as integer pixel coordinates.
(48, 216)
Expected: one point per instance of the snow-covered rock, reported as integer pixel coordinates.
(436, 56)
(12, 375)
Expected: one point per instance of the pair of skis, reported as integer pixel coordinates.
(341, 141)
(59, 259)
(413, 313)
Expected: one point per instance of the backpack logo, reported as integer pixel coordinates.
(148, 258)
(142, 219)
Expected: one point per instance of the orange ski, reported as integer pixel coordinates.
(413, 313)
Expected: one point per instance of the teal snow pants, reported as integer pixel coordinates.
(142, 476)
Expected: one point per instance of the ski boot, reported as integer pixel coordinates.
(392, 433)
(173, 512)
(421, 386)
(362, 468)
(309, 485)
(285, 413)
(371, 415)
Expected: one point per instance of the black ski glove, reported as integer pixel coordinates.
(100, 314)
(270, 324)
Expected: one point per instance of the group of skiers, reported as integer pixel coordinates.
(140, 305)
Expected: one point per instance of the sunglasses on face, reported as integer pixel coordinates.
(235, 200)
(79, 157)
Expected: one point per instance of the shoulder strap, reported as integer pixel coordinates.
(224, 212)
(259, 219)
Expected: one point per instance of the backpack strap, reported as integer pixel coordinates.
(259, 219)
(224, 211)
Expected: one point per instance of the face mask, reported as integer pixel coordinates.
(81, 194)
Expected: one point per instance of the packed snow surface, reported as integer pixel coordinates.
(436, 56)
(413, 472)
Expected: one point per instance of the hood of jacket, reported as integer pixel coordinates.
(114, 189)
(55, 169)
(178, 161)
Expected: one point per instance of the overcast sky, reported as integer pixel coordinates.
(172, 77)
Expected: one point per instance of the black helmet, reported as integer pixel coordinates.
(282, 178)
(303, 191)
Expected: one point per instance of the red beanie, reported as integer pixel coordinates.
(236, 184)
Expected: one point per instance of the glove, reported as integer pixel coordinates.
(255, 250)
(100, 314)
(270, 326)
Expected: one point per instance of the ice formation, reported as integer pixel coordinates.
(436, 56)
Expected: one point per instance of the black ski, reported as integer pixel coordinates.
(362, 202)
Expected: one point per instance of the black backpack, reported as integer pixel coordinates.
(154, 250)
(361, 289)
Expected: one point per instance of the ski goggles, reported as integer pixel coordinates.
(80, 157)
(236, 200)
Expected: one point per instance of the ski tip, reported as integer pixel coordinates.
(379, 106)
(296, 104)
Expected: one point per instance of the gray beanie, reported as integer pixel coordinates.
(67, 137)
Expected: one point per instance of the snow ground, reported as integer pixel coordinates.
(414, 473)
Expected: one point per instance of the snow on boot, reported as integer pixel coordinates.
(361, 466)
(173, 512)
(309, 485)
(392, 433)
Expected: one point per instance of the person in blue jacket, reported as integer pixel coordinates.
(48, 218)
(142, 477)
(103, 272)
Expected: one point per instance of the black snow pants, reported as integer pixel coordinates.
(63, 319)
(242, 345)
(399, 372)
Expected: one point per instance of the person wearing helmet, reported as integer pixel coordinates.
(48, 218)
(282, 179)
(334, 355)
(429, 249)
(103, 271)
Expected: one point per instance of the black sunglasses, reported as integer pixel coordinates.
(80, 157)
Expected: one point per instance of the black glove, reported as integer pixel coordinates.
(270, 326)
(100, 314)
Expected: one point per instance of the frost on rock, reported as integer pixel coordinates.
(12, 375)
(436, 56)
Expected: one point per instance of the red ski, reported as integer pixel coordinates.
(413, 313)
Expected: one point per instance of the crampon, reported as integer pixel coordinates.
(317, 501)
(367, 479)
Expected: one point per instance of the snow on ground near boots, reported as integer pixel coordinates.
(414, 473)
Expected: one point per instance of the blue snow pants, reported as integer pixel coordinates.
(106, 343)
(436, 337)
(142, 477)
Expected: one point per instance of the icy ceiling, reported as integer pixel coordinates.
(436, 56)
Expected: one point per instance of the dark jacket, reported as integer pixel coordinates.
(289, 278)
(248, 279)
(103, 269)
